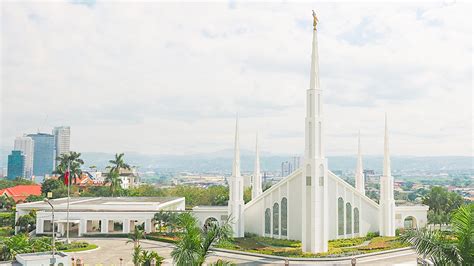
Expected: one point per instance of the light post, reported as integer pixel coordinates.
(53, 246)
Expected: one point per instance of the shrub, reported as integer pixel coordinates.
(371, 235)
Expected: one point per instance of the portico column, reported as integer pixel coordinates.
(39, 226)
(82, 227)
(104, 226)
(148, 225)
(126, 226)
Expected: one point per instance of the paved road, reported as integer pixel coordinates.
(111, 250)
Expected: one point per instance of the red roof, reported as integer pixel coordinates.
(21, 192)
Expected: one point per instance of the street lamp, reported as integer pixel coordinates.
(53, 260)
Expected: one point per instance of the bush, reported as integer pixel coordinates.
(371, 235)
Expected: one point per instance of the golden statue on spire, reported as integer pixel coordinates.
(315, 20)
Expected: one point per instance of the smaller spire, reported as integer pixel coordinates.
(257, 177)
(386, 155)
(236, 164)
(359, 175)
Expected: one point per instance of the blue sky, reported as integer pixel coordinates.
(168, 78)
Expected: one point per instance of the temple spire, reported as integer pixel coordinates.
(386, 154)
(257, 177)
(314, 76)
(236, 164)
(359, 175)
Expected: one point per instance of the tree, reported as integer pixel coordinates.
(73, 161)
(161, 218)
(442, 248)
(27, 222)
(118, 163)
(14, 245)
(49, 185)
(195, 242)
(144, 257)
(441, 204)
(136, 236)
(247, 194)
(6, 202)
(33, 198)
(113, 178)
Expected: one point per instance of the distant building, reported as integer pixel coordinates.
(43, 155)
(26, 146)
(21, 192)
(62, 139)
(286, 168)
(296, 162)
(16, 165)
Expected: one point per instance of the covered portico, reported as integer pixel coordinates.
(99, 215)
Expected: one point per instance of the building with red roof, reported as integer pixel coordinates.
(21, 192)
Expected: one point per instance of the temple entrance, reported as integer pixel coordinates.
(410, 222)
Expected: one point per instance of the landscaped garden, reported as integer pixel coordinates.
(292, 248)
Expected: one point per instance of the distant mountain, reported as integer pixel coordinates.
(221, 161)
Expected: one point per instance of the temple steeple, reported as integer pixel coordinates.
(387, 200)
(236, 190)
(314, 182)
(359, 174)
(257, 176)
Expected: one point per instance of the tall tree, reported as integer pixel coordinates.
(71, 160)
(113, 178)
(119, 163)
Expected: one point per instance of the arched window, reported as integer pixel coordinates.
(356, 220)
(276, 218)
(340, 215)
(348, 218)
(267, 221)
(284, 217)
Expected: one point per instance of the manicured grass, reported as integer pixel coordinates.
(291, 248)
(88, 247)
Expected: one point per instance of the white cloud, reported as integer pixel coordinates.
(169, 77)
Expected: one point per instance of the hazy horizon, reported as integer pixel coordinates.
(169, 78)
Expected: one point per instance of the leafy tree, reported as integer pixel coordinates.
(27, 222)
(7, 202)
(71, 160)
(33, 198)
(6, 183)
(195, 242)
(442, 248)
(441, 204)
(144, 257)
(51, 184)
(14, 245)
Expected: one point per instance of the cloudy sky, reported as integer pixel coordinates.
(164, 78)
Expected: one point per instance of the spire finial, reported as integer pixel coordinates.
(315, 20)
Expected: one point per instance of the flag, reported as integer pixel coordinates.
(66, 178)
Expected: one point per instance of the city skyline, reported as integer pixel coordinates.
(140, 93)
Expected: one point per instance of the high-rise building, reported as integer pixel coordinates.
(43, 155)
(26, 146)
(16, 165)
(62, 138)
(286, 168)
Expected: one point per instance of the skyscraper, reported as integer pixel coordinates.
(62, 138)
(16, 165)
(43, 155)
(26, 146)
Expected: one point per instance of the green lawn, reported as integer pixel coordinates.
(291, 248)
(88, 247)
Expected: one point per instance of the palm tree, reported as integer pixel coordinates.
(71, 160)
(136, 236)
(113, 178)
(444, 249)
(118, 164)
(195, 242)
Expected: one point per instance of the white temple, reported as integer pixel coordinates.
(312, 204)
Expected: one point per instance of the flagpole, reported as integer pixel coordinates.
(68, 197)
